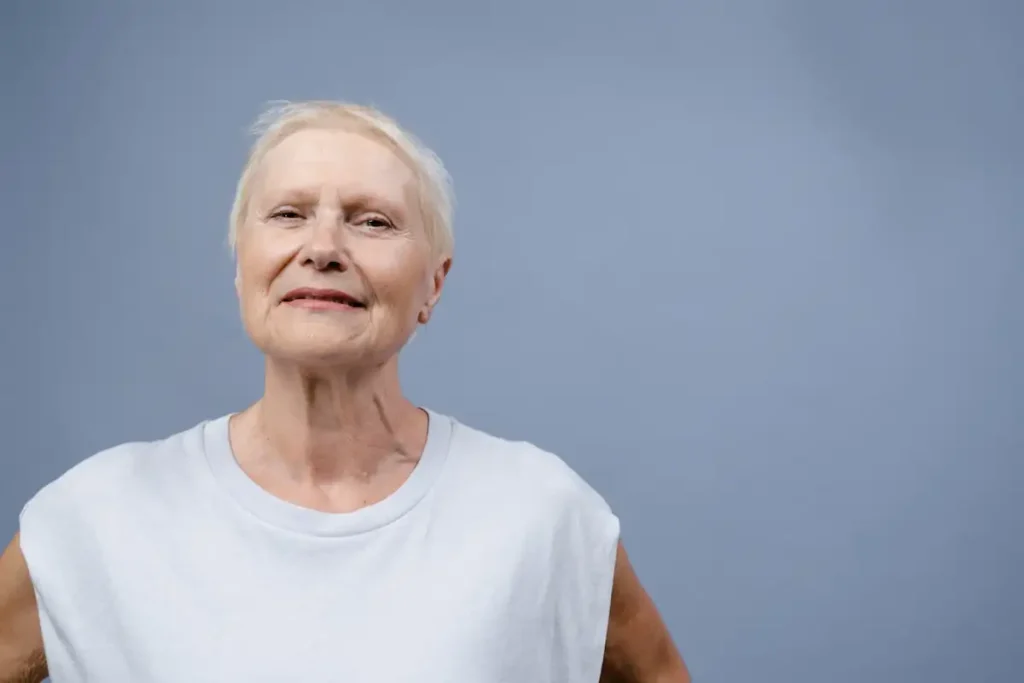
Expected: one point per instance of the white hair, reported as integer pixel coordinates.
(282, 119)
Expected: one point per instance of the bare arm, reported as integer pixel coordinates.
(21, 642)
(639, 648)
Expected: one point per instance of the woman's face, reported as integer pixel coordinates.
(334, 262)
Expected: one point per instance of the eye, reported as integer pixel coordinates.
(376, 223)
(286, 214)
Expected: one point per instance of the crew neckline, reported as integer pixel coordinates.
(286, 515)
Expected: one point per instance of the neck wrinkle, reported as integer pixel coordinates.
(323, 426)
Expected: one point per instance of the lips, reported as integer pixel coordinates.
(323, 296)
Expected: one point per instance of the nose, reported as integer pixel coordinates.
(324, 250)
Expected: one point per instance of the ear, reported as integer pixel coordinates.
(437, 281)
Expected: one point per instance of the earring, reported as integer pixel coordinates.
(423, 317)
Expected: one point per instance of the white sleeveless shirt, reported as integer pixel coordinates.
(163, 562)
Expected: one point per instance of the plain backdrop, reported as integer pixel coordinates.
(754, 269)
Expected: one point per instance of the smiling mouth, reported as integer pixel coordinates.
(322, 300)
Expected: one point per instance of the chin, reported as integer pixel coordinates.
(316, 345)
(323, 356)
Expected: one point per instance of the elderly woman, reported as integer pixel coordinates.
(333, 531)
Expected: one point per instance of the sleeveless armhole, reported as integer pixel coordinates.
(589, 549)
(48, 537)
(27, 540)
(29, 543)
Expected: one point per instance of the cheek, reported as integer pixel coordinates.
(399, 282)
(253, 296)
(257, 266)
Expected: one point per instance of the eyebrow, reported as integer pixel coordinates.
(369, 202)
(362, 201)
(297, 196)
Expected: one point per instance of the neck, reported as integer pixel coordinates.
(327, 425)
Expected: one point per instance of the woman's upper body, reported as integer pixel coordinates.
(333, 529)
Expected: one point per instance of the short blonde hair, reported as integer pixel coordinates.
(282, 119)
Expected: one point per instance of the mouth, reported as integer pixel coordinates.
(322, 299)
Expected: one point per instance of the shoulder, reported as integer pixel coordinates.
(109, 483)
(520, 466)
(522, 477)
(97, 474)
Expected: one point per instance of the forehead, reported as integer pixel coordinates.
(314, 160)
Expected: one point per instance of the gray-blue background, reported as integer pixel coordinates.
(753, 268)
